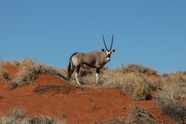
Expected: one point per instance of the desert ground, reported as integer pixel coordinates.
(32, 90)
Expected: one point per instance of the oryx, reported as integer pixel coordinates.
(95, 59)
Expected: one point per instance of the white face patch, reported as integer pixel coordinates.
(108, 53)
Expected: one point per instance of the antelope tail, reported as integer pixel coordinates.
(70, 69)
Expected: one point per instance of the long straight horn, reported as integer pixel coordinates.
(112, 42)
(104, 42)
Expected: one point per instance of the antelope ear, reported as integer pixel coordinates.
(113, 50)
(102, 50)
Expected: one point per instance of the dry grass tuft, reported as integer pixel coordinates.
(137, 68)
(136, 85)
(3, 63)
(114, 121)
(30, 72)
(16, 63)
(170, 98)
(176, 78)
(175, 84)
(17, 112)
(139, 115)
(171, 107)
(17, 115)
(27, 62)
(136, 115)
(44, 120)
(4, 76)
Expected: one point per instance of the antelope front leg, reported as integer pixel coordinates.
(97, 75)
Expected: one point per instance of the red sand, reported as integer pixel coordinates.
(74, 105)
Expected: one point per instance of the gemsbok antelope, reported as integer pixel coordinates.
(95, 59)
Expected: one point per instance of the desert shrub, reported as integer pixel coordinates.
(87, 76)
(169, 99)
(175, 84)
(137, 68)
(114, 121)
(176, 78)
(17, 115)
(139, 115)
(136, 85)
(44, 120)
(1, 62)
(136, 115)
(85, 72)
(29, 73)
(17, 112)
(27, 62)
(4, 76)
(171, 107)
(15, 63)
(24, 62)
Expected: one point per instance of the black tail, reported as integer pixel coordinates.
(70, 69)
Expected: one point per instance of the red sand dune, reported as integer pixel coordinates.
(74, 105)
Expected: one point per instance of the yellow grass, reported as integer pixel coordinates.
(17, 115)
(131, 78)
(4, 76)
(30, 70)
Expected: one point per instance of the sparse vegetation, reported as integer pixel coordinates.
(31, 70)
(137, 68)
(135, 80)
(15, 63)
(131, 79)
(17, 112)
(139, 115)
(169, 99)
(171, 107)
(136, 115)
(136, 85)
(174, 84)
(17, 115)
(114, 121)
(4, 76)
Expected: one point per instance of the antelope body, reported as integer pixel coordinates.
(95, 59)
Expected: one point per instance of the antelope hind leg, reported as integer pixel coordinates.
(76, 76)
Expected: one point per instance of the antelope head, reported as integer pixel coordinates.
(107, 51)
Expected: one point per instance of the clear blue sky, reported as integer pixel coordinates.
(151, 33)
